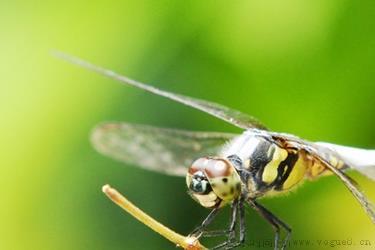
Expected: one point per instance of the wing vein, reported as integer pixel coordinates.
(229, 115)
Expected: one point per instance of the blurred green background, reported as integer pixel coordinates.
(304, 67)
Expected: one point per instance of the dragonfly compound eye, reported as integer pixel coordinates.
(213, 181)
(199, 183)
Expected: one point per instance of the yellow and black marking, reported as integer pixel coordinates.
(317, 169)
(276, 167)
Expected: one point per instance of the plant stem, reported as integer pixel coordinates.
(184, 242)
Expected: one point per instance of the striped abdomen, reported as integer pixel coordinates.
(316, 169)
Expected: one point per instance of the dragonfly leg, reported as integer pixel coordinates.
(215, 233)
(231, 242)
(275, 222)
(227, 232)
(198, 232)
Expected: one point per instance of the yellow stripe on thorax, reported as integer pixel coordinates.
(270, 170)
(297, 173)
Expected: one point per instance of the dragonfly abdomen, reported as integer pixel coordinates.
(317, 169)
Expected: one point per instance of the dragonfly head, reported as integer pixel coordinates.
(213, 182)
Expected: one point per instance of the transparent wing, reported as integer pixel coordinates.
(362, 160)
(352, 186)
(318, 153)
(232, 116)
(168, 151)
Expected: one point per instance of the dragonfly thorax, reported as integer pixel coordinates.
(213, 182)
(266, 166)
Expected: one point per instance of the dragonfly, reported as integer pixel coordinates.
(229, 169)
